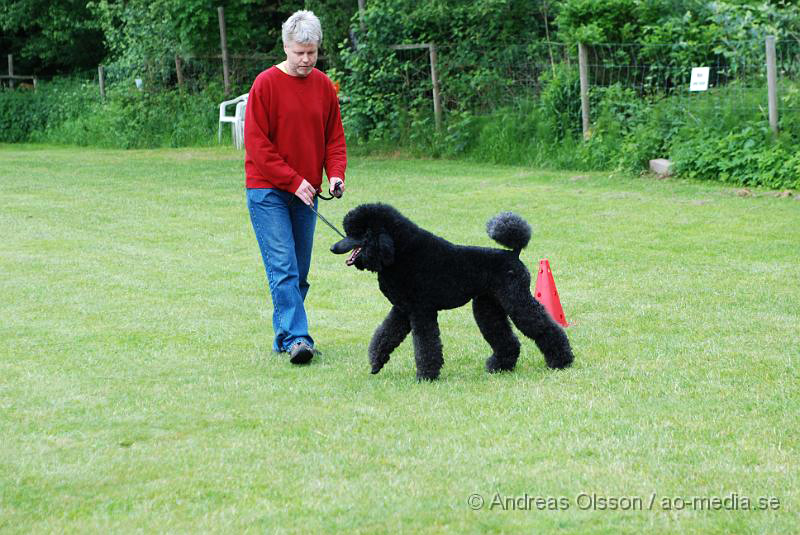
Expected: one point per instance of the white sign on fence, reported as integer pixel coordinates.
(699, 79)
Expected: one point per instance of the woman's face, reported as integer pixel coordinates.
(300, 58)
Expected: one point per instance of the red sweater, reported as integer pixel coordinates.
(292, 129)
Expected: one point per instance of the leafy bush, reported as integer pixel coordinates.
(20, 113)
(23, 112)
(484, 35)
(597, 21)
(747, 157)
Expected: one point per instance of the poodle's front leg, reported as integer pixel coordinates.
(427, 345)
(387, 337)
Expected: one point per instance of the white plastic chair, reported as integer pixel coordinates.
(236, 120)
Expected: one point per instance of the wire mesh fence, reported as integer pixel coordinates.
(196, 73)
(737, 74)
(482, 81)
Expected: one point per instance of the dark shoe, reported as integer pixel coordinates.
(301, 353)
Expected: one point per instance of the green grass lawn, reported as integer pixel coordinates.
(138, 390)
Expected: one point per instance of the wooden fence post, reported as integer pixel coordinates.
(583, 69)
(361, 7)
(11, 71)
(179, 71)
(437, 99)
(772, 84)
(101, 76)
(224, 44)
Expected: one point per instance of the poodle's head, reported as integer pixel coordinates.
(369, 229)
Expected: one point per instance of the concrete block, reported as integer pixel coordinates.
(661, 167)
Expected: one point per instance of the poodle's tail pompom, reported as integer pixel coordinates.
(509, 229)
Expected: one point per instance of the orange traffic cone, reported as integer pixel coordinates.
(547, 294)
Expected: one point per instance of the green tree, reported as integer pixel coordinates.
(150, 32)
(50, 36)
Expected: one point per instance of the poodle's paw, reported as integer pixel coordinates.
(427, 375)
(560, 361)
(377, 363)
(495, 365)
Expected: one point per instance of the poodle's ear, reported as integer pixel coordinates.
(386, 249)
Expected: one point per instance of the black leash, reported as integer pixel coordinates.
(337, 193)
(326, 221)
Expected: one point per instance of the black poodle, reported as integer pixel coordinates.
(421, 273)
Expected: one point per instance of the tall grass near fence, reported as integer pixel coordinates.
(130, 118)
(72, 112)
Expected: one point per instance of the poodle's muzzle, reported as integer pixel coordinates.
(346, 245)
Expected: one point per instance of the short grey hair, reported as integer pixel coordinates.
(302, 27)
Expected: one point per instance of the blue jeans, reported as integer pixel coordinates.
(284, 228)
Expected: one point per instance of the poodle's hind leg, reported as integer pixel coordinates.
(495, 328)
(387, 337)
(427, 345)
(535, 322)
